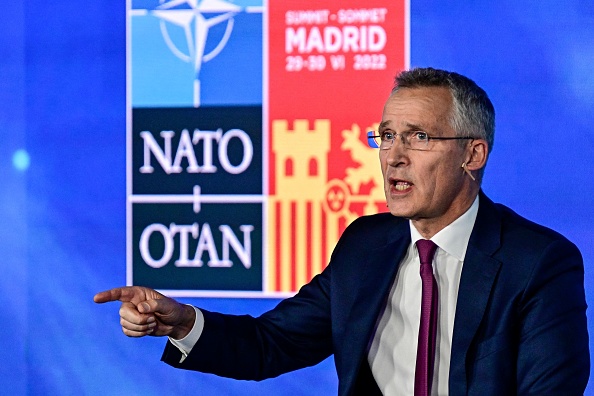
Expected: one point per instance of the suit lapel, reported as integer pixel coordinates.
(478, 275)
(372, 292)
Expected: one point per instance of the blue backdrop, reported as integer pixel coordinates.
(63, 176)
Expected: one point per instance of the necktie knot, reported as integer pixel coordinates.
(426, 248)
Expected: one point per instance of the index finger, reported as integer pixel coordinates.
(123, 294)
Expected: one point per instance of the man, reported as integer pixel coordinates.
(500, 312)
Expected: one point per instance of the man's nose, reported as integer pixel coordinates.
(399, 138)
(397, 153)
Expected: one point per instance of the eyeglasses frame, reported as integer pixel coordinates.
(373, 144)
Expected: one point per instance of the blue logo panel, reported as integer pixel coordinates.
(192, 54)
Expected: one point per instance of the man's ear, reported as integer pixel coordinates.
(477, 153)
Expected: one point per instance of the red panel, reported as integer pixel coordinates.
(308, 41)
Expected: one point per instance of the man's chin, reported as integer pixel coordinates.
(400, 212)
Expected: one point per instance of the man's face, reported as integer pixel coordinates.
(428, 187)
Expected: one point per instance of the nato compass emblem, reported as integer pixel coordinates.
(193, 19)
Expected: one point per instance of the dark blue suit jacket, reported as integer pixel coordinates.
(520, 325)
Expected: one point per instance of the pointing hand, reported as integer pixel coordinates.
(145, 311)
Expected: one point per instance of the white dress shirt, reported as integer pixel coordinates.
(393, 352)
(186, 344)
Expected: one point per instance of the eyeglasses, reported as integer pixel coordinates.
(414, 140)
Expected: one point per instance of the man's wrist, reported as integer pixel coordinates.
(186, 324)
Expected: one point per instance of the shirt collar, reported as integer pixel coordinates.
(453, 239)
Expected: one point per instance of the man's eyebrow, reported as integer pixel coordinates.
(384, 124)
(414, 127)
(408, 125)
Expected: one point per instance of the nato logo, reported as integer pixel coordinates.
(195, 53)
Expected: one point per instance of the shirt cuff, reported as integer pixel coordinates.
(186, 344)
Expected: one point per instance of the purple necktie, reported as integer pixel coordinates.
(428, 324)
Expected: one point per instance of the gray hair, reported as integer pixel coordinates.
(473, 115)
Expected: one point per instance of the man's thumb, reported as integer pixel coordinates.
(144, 307)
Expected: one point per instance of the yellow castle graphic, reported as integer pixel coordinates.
(307, 212)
